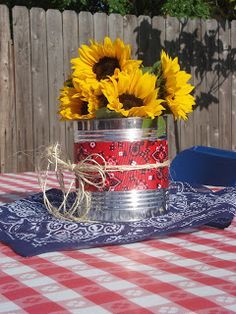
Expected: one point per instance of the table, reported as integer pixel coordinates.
(192, 272)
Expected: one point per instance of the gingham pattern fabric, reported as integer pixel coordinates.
(185, 273)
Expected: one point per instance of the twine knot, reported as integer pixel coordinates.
(87, 171)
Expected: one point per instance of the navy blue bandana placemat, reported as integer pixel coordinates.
(29, 229)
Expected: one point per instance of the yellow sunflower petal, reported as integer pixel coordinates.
(77, 103)
(133, 94)
(99, 61)
(176, 89)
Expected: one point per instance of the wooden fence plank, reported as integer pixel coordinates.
(70, 39)
(70, 47)
(199, 66)
(201, 114)
(225, 109)
(208, 117)
(39, 78)
(7, 100)
(24, 115)
(115, 26)
(130, 34)
(187, 52)
(11, 153)
(158, 36)
(172, 47)
(203, 118)
(211, 84)
(145, 40)
(100, 26)
(233, 82)
(85, 27)
(55, 74)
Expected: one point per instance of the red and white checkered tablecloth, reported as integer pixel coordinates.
(185, 273)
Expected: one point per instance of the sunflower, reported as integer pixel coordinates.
(175, 89)
(100, 60)
(133, 94)
(77, 105)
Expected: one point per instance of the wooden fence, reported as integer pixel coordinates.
(35, 52)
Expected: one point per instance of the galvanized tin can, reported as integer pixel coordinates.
(127, 195)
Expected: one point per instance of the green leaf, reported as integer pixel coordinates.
(104, 113)
(146, 69)
(147, 123)
(161, 127)
(156, 65)
(159, 123)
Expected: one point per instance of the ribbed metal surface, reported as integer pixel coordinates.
(128, 129)
(115, 135)
(127, 205)
(110, 124)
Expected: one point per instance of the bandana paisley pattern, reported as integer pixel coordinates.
(128, 153)
(29, 229)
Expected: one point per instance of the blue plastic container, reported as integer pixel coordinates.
(205, 165)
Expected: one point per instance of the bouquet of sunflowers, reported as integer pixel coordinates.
(107, 83)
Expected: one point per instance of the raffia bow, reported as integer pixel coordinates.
(87, 171)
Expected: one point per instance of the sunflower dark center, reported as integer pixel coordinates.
(102, 100)
(130, 101)
(104, 67)
(84, 108)
(162, 91)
